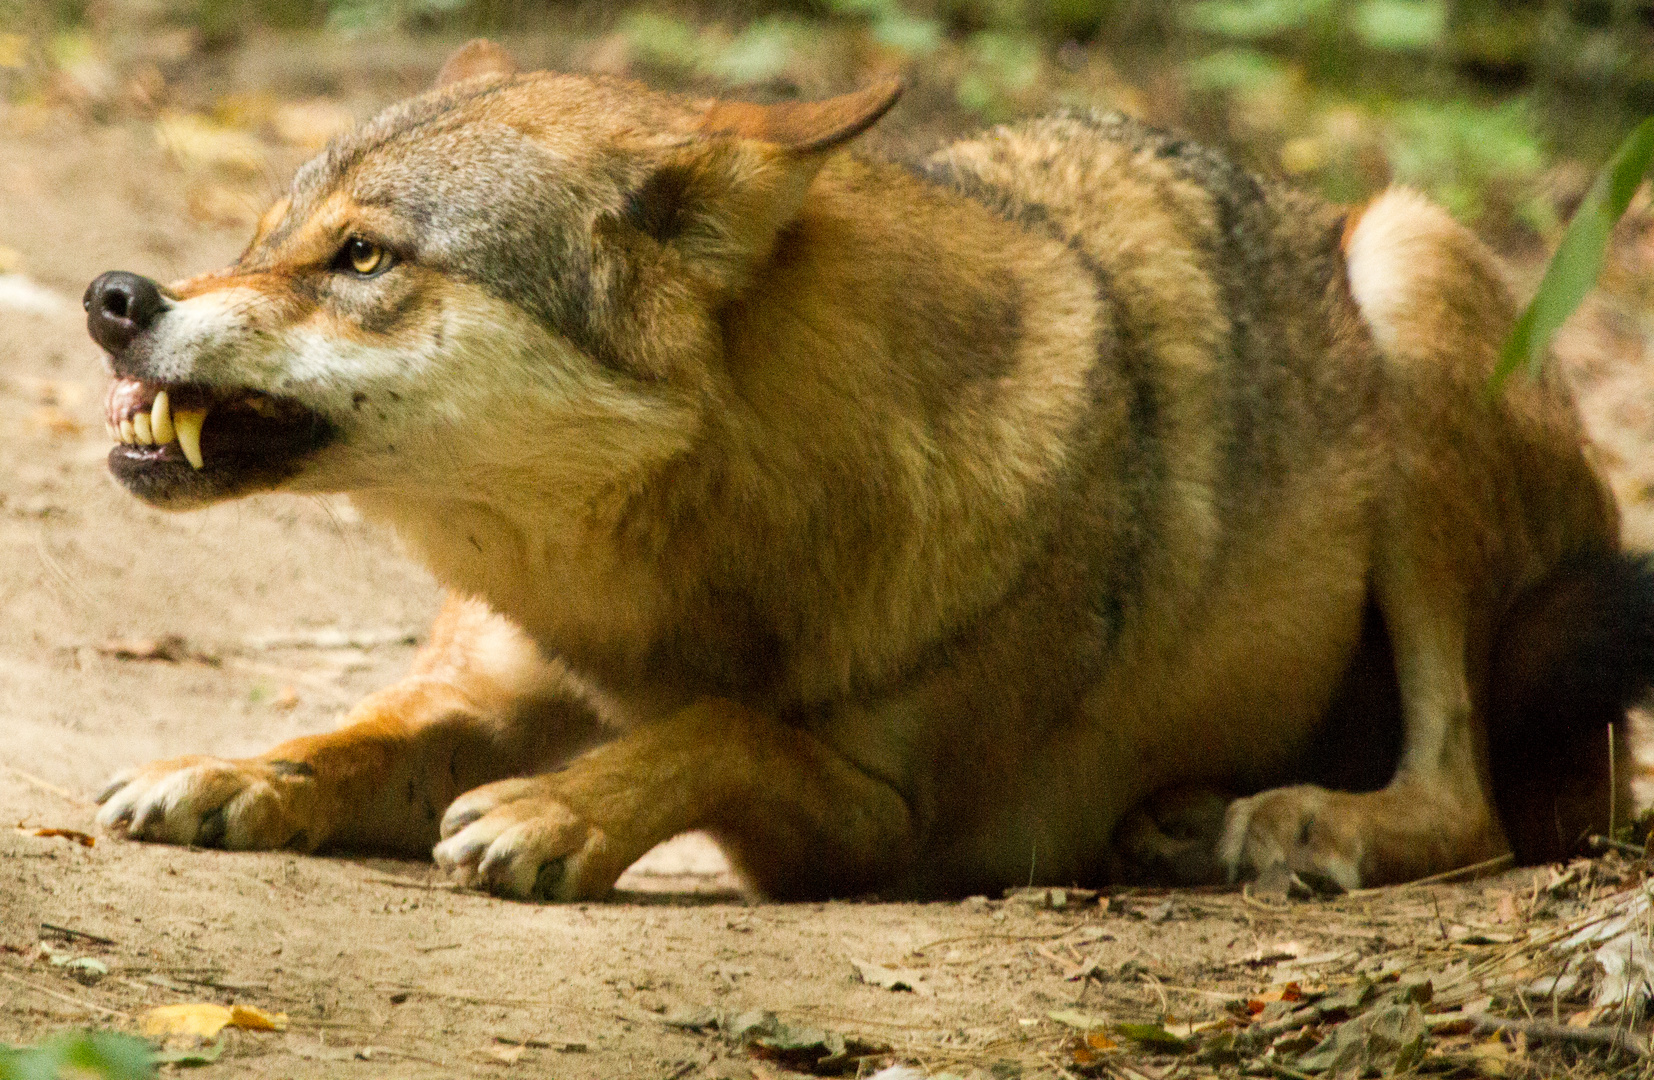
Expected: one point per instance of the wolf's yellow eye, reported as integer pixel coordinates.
(364, 256)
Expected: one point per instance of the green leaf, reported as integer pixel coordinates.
(761, 51)
(1236, 70)
(1153, 1036)
(661, 40)
(1578, 260)
(1401, 25)
(108, 1055)
(1252, 20)
(915, 36)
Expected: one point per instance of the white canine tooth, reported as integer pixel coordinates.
(128, 433)
(160, 419)
(186, 424)
(140, 427)
(114, 432)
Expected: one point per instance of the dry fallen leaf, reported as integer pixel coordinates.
(222, 205)
(171, 648)
(205, 1019)
(55, 421)
(83, 839)
(889, 978)
(199, 143)
(310, 124)
(1288, 992)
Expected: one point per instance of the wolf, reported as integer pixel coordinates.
(913, 528)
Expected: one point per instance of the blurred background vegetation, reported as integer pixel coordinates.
(1502, 110)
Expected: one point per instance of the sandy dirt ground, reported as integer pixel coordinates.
(285, 610)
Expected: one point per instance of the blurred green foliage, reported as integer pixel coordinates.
(104, 1055)
(1470, 100)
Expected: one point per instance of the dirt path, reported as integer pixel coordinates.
(263, 618)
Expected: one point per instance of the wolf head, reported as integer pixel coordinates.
(511, 272)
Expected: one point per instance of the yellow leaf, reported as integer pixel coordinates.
(199, 143)
(14, 50)
(197, 1018)
(310, 124)
(256, 1019)
(204, 1019)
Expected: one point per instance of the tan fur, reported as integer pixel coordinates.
(911, 526)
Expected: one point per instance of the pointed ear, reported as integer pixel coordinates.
(804, 126)
(723, 197)
(475, 58)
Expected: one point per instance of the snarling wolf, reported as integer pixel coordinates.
(912, 528)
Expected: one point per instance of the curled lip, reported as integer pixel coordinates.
(243, 440)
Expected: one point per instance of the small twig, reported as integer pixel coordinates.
(88, 1005)
(45, 785)
(1613, 781)
(402, 883)
(331, 638)
(321, 685)
(1252, 901)
(1498, 862)
(992, 937)
(1603, 1037)
(212, 982)
(73, 934)
(1604, 843)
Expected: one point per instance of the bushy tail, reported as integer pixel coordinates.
(1574, 654)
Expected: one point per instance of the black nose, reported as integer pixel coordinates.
(120, 306)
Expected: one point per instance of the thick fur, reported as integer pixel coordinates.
(910, 525)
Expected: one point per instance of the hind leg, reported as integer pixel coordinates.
(1436, 812)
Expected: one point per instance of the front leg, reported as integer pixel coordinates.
(796, 817)
(481, 703)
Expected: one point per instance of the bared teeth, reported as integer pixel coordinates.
(160, 419)
(159, 425)
(186, 423)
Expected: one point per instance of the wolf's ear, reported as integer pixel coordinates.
(804, 126)
(723, 196)
(479, 56)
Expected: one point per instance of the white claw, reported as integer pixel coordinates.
(140, 427)
(160, 419)
(186, 425)
(129, 434)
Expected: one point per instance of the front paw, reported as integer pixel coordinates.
(1289, 831)
(244, 805)
(518, 838)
